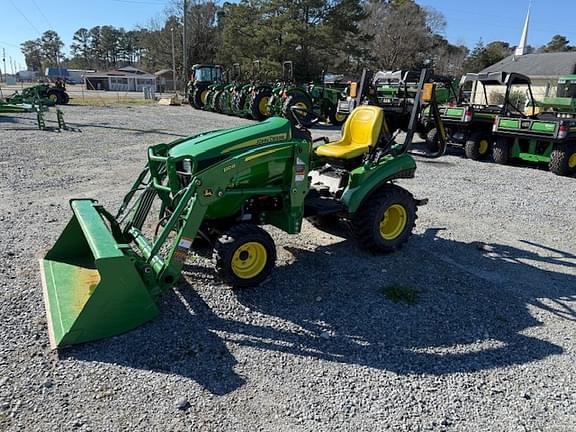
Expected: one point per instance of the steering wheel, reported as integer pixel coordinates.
(297, 115)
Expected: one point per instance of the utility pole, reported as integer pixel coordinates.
(173, 61)
(4, 61)
(185, 43)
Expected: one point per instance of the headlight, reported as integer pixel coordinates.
(187, 166)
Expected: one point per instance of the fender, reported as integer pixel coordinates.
(367, 179)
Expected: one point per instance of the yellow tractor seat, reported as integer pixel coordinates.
(360, 132)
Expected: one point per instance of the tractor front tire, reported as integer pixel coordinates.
(298, 100)
(501, 150)
(218, 101)
(385, 221)
(477, 147)
(245, 256)
(563, 160)
(259, 106)
(433, 141)
(64, 98)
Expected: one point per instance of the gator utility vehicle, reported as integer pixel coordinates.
(106, 272)
(469, 123)
(203, 76)
(549, 137)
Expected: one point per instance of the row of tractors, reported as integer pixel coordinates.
(259, 96)
(486, 115)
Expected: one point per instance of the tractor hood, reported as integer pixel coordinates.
(225, 142)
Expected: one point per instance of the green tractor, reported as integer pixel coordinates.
(225, 99)
(395, 91)
(469, 122)
(245, 94)
(44, 94)
(318, 102)
(203, 76)
(104, 275)
(547, 137)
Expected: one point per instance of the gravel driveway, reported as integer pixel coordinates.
(489, 345)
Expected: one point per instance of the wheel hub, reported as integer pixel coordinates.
(572, 161)
(249, 260)
(393, 222)
(483, 147)
(263, 105)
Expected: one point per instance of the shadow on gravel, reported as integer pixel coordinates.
(329, 304)
(136, 131)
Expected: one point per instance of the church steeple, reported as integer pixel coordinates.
(521, 48)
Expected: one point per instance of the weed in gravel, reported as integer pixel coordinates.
(401, 294)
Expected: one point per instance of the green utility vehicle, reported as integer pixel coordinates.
(469, 122)
(44, 94)
(203, 76)
(105, 273)
(548, 137)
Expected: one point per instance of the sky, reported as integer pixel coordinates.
(467, 21)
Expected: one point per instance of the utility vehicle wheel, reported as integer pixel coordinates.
(64, 98)
(501, 150)
(433, 140)
(301, 101)
(259, 107)
(384, 222)
(336, 118)
(563, 160)
(477, 147)
(245, 255)
(52, 96)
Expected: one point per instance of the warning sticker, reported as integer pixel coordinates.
(185, 243)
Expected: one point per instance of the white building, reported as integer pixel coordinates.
(126, 79)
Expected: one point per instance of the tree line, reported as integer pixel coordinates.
(332, 35)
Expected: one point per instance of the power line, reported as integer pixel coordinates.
(26, 18)
(43, 16)
(140, 2)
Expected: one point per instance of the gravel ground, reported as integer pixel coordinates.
(490, 344)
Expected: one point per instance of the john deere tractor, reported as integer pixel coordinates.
(394, 91)
(43, 94)
(469, 121)
(545, 137)
(106, 272)
(203, 76)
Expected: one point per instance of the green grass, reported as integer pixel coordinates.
(401, 294)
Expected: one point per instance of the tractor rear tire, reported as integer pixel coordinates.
(245, 255)
(563, 160)
(477, 147)
(385, 220)
(336, 118)
(218, 101)
(501, 150)
(54, 96)
(260, 98)
(297, 99)
(196, 99)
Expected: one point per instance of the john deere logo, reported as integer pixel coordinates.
(208, 193)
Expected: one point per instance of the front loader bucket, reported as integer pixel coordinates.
(92, 289)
